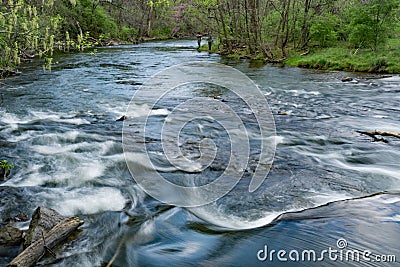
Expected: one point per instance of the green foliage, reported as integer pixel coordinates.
(87, 16)
(378, 65)
(262, 28)
(162, 32)
(37, 29)
(99, 21)
(5, 165)
(26, 32)
(126, 33)
(345, 59)
(206, 3)
(323, 30)
(372, 21)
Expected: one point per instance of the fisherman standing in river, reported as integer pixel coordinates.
(198, 36)
(210, 41)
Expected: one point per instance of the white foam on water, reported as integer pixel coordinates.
(279, 140)
(296, 105)
(140, 161)
(323, 197)
(323, 117)
(51, 138)
(394, 218)
(54, 138)
(383, 170)
(12, 119)
(33, 179)
(395, 78)
(76, 121)
(159, 112)
(304, 92)
(380, 116)
(215, 215)
(30, 177)
(34, 116)
(118, 111)
(65, 166)
(87, 201)
(137, 111)
(58, 117)
(336, 159)
(89, 171)
(18, 138)
(391, 200)
(58, 148)
(71, 135)
(118, 157)
(63, 174)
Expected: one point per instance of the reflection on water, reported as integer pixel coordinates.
(59, 129)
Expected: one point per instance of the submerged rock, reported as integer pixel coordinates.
(122, 118)
(7, 144)
(17, 218)
(3, 174)
(347, 79)
(10, 235)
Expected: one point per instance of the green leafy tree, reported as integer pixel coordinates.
(25, 31)
(323, 30)
(372, 21)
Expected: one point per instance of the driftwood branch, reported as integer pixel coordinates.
(375, 135)
(38, 249)
(305, 53)
(110, 263)
(43, 220)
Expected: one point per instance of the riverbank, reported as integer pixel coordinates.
(385, 61)
(333, 58)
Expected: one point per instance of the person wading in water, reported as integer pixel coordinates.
(210, 41)
(198, 36)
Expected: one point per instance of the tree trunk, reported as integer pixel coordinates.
(285, 28)
(305, 28)
(253, 6)
(38, 249)
(221, 15)
(43, 220)
(149, 20)
(246, 10)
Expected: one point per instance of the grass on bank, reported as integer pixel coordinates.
(341, 58)
(386, 60)
(347, 60)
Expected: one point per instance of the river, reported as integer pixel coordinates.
(330, 188)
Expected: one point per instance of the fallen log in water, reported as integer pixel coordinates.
(43, 220)
(47, 230)
(376, 133)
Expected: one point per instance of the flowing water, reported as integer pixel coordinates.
(327, 182)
